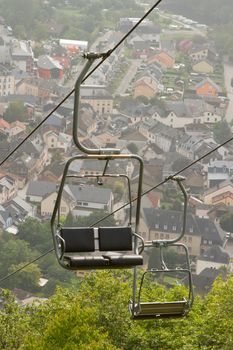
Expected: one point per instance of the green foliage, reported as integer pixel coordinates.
(16, 111)
(14, 322)
(132, 148)
(226, 222)
(97, 317)
(222, 132)
(37, 234)
(26, 279)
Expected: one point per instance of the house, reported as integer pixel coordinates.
(55, 122)
(207, 87)
(7, 82)
(80, 199)
(5, 54)
(214, 257)
(73, 46)
(165, 59)
(48, 68)
(44, 90)
(22, 55)
(185, 46)
(219, 171)
(59, 141)
(16, 128)
(36, 190)
(199, 52)
(98, 98)
(59, 54)
(160, 224)
(53, 172)
(203, 66)
(4, 126)
(141, 49)
(222, 193)
(88, 120)
(194, 147)
(163, 136)
(204, 281)
(146, 86)
(8, 188)
(19, 209)
(179, 114)
(47, 204)
(5, 218)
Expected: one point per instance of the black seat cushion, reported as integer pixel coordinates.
(124, 260)
(115, 238)
(79, 239)
(86, 261)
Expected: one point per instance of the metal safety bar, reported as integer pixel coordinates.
(164, 242)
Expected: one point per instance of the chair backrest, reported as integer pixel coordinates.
(79, 239)
(115, 238)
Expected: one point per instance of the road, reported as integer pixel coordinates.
(228, 75)
(124, 85)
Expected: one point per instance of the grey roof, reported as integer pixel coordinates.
(89, 193)
(40, 188)
(48, 62)
(208, 230)
(169, 221)
(178, 107)
(172, 221)
(95, 91)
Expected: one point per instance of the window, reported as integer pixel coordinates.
(156, 225)
(191, 229)
(210, 242)
(85, 204)
(165, 227)
(174, 228)
(205, 241)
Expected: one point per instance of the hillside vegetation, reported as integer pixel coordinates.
(96, 317)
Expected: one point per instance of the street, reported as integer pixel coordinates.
(124, 85)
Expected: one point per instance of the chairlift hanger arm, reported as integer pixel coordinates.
(91, 57)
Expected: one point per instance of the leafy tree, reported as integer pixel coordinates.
(16, 111)
(36, 233)
(26, 279)
(226, 222)
(14, 251)
(222, 132)
(14, 322)
(132, 148)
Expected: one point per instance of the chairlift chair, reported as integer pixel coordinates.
(97, 247)
(153, 310)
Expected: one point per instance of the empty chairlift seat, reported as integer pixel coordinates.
(147, 310)
(103, 247)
